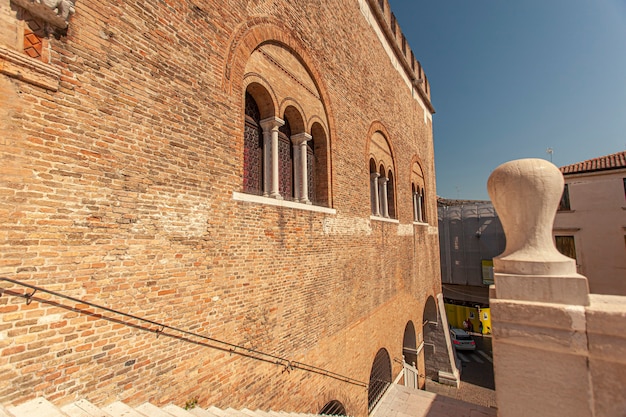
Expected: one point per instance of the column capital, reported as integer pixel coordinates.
(300, 138)
(374, 175)
(271, 123)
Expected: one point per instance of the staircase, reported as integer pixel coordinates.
(40, 407)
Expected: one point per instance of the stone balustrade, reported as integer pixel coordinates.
(558, 351)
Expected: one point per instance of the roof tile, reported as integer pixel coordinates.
(602, 163)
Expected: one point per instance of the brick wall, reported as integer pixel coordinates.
(118, 189)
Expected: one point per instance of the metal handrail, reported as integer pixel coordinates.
(160, 329)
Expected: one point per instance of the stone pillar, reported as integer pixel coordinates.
(270, 156)
(384, 206)
(301, 175)
(538, 301)
(375, 197)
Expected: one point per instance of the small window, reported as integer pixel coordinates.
(333, 408)
(564, 204)
(566, 245)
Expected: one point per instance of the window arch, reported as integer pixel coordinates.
(391, 198)
(252, 148)
(380, 378)
(382, 181)
(285, 161)
(418, 193)
(281, 159)
(317, 154)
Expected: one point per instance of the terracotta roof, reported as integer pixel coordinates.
(603, 163)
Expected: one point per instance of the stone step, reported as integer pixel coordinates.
(38, 407)
(83, 408)
(151, 410)
(177, 411)
(201, 412)
(4, 412)
(119, 409)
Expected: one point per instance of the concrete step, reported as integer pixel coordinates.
(38, 407)
(83, 408)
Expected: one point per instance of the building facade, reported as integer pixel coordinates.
(249, 183)
(470, 236)
(590, 225)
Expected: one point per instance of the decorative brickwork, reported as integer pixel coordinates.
(32, 44)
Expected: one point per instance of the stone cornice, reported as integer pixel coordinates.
(22, 67)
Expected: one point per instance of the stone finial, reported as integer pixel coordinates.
(526, 195)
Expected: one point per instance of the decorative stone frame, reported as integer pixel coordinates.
(45, 18)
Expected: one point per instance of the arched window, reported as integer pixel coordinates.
(282, 158)
(333, 408)
(374, 195)
(318, 182)
(382, 184)
(252, 149)
(380, 378)
(419, 201)
(391, 198)
(310, 167)
(285, 161)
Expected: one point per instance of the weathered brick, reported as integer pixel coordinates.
(118, 188)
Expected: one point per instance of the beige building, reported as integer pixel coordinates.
(590, 224)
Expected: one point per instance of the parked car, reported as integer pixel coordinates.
(461, 340)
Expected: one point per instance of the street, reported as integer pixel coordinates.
(478, 364)
(477, 381)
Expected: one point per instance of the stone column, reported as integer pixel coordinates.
(270, 156)
(375, 196)
(300, 170)
(538, 301)
(384, 206)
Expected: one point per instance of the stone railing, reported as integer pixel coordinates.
(558, 351)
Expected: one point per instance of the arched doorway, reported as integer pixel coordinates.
(380, 378)
(409, 344)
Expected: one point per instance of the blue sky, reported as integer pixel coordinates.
(510, 79)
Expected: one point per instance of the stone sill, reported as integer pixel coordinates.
(258, 199)
(384, 219)
(420, 224)
(20, 66)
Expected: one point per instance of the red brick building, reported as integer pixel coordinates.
(258, 173)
